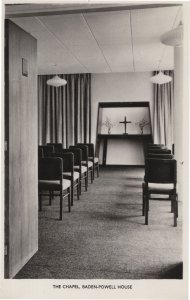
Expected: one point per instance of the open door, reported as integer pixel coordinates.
(21, 186)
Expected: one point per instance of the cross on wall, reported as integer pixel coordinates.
(125, 122)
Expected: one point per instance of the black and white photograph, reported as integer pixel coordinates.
(95, 149)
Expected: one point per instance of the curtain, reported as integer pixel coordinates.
(65, 112)
(163, 112)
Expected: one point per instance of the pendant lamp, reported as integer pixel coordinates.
(173, 37)
(160, 78)
(56, 81)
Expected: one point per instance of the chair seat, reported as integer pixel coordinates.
(83, 169)
(54, 184)
(160, 188)
(90, 163)
(95, 159)
(75, 175)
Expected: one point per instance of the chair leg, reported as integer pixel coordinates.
(61, 205)
(78, 190)
(172, 206)
(40, 202)
(143, 201)
(143, 205)
(175, 213)
(92, 175)
(93, 170)
(80, 184)
(177, 205)
(86, 181)
(69, 190)
(98, 170)
(50, 197)
(72, 192)
(146, 209)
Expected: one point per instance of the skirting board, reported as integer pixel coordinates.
(122, 166)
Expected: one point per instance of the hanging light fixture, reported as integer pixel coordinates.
(56, 81)
(173, 37)
(160, 78)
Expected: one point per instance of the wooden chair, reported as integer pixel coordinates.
(50, 179)
(93, 159)
(78, 164)
(57, 147)
(78, 167)
(47, 150)
(156, 145)
(159, 151)
(68, 171)
(40, 153)
(85, 159)
(154, 148)
(160, 179)
(161, 156)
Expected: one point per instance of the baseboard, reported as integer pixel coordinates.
(121, 166)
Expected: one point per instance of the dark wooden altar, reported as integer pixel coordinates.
(145, 138)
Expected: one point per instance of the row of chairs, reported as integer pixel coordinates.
(160, 179)
(61, 171)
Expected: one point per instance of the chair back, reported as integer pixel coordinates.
(84, 149)
(90, 146)
(50, 168)
(159, 151)
(160, 170)
(57, 146)
(156, 145)
(91, 152)
(40, 153)
(47, 150)
(161, 156)
(68, 160)
(77, 155)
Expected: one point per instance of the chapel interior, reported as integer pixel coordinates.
(95, 140)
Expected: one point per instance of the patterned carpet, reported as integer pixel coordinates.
(104, 236)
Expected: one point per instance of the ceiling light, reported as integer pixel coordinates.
(173, 37)
(160, 78)
(56, 81)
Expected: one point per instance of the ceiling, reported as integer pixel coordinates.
(99, 40)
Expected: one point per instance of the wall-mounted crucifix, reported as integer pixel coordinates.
(125, 122)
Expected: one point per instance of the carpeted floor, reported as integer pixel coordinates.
(104, 237)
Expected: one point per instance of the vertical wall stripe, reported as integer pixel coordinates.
(81, 110)
(89, 101)
(65, 112)
(163, 112)
(85, 110)
(76, 111)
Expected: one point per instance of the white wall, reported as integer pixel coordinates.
(181, 109)
(121, 87)
(178, 114)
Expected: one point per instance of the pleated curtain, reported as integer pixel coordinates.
(65, 112)
(163, 112)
